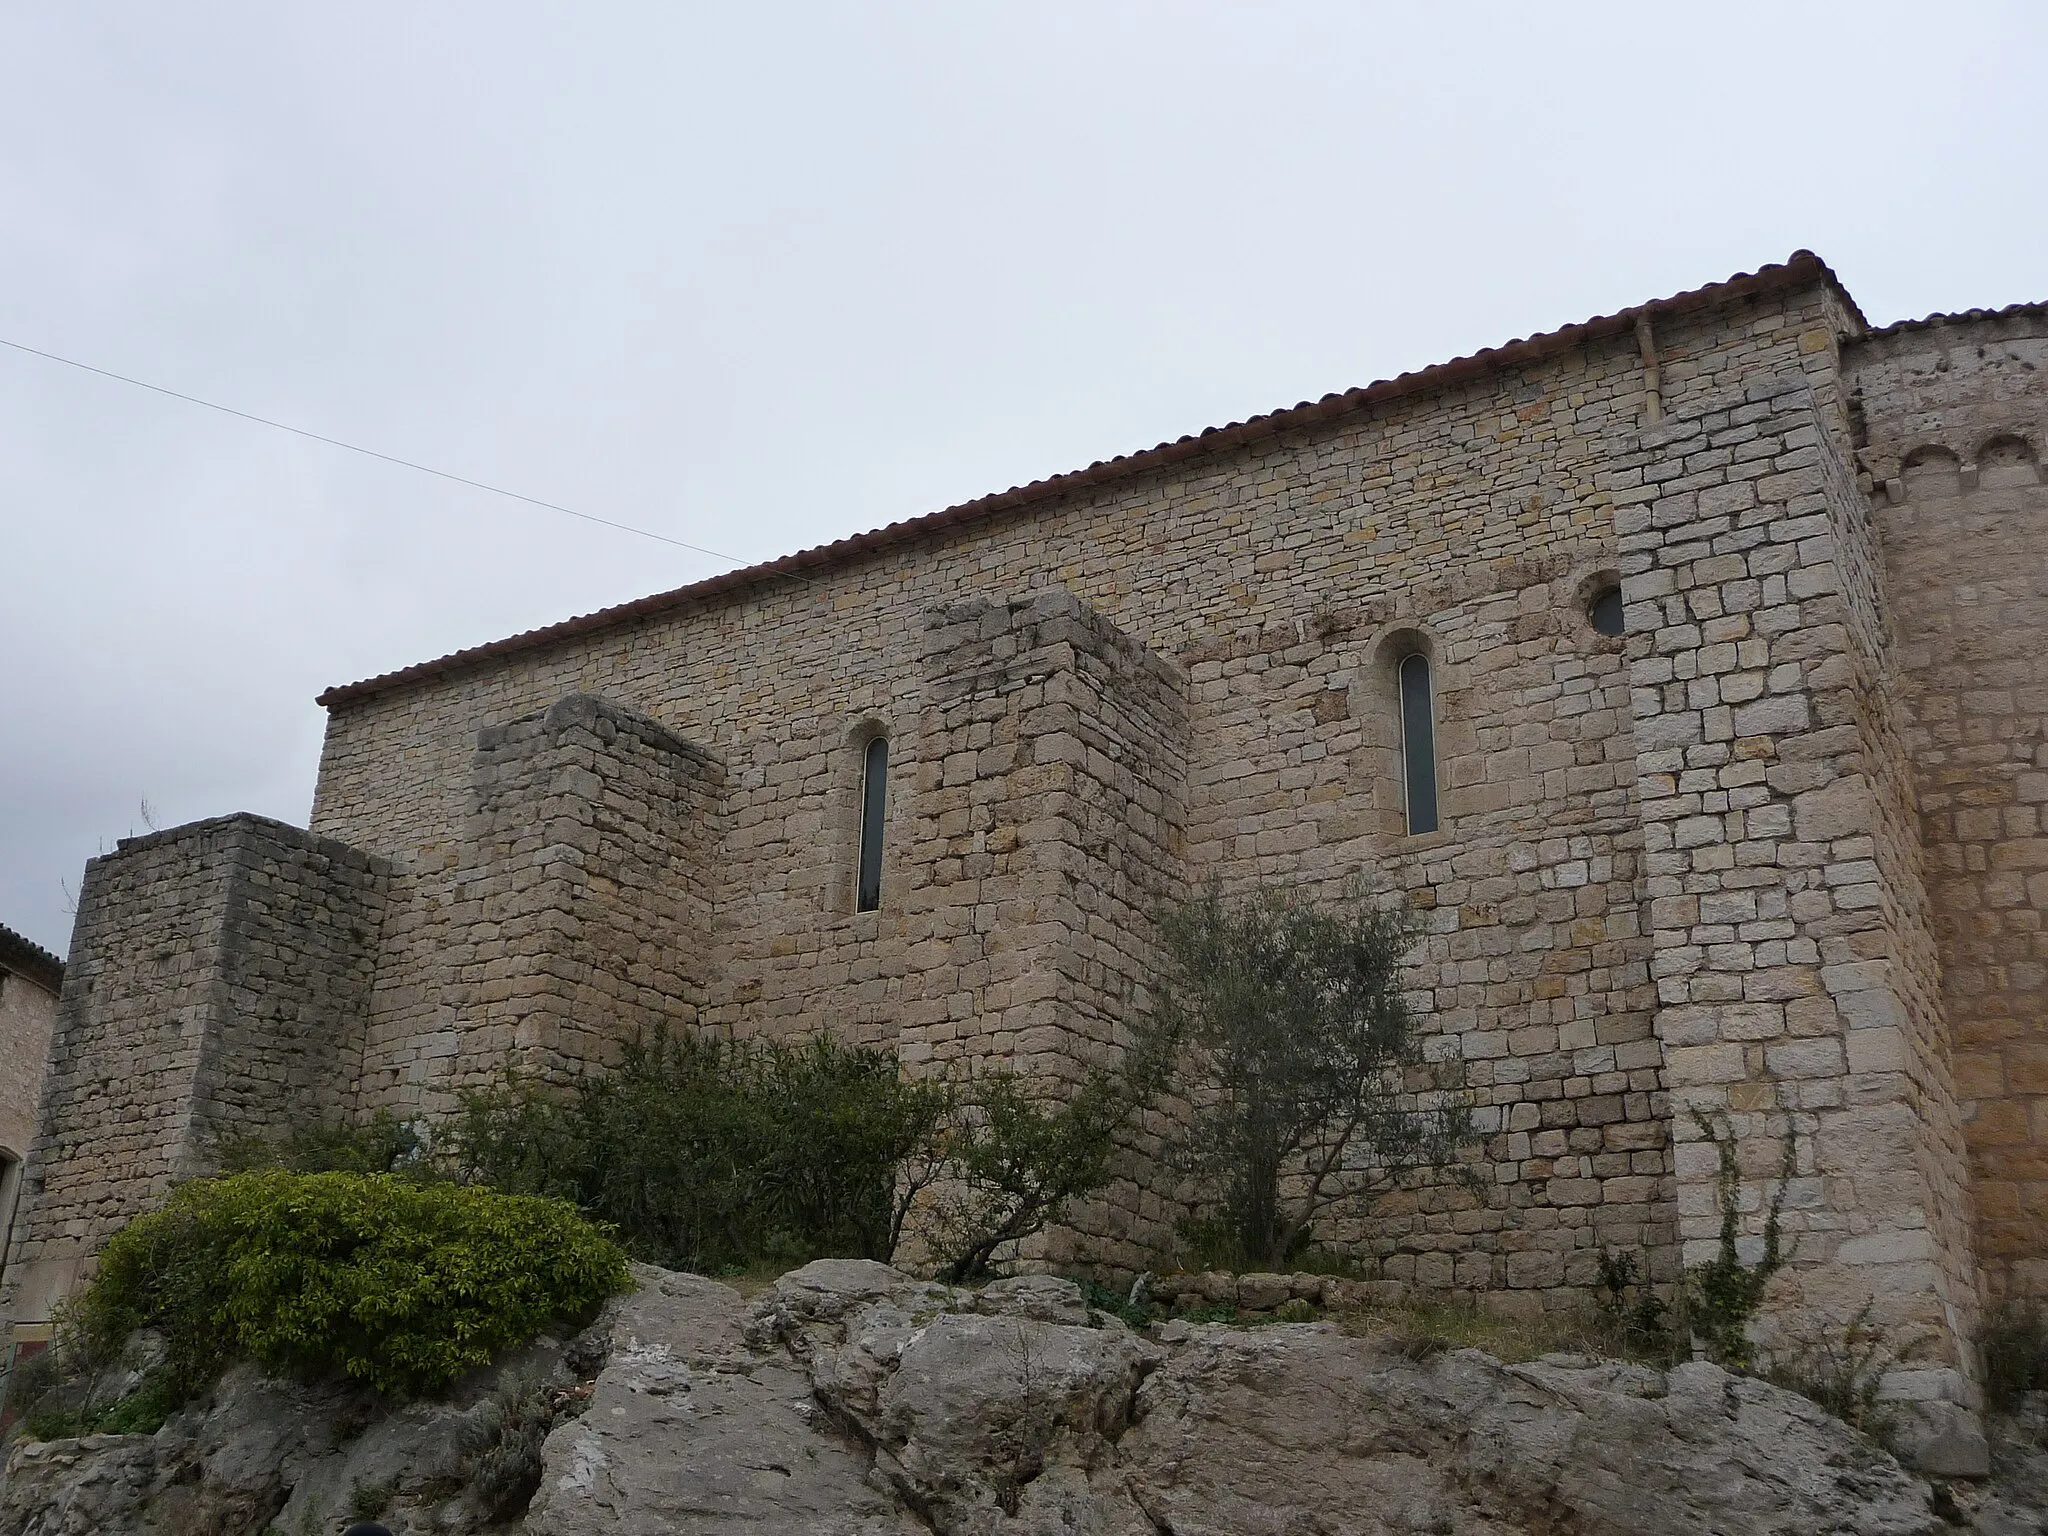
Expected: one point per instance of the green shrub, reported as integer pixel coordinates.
(720, 1157)
(711, 1156)
(1007, 1160)
(400, 1284)
(385, 1145)
(1285, 1022)
(2014, 1345)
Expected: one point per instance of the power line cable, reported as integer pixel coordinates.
(372, 453)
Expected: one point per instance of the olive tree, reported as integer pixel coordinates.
(1299, 1060)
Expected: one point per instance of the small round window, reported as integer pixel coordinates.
(1605, 611)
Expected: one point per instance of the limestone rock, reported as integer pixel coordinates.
(258, 1454)
(1299, 1427)
(692, 1429)
(853, 1400)
(1043, 1298)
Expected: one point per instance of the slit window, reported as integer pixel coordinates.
(874, 804)
(1418, 744)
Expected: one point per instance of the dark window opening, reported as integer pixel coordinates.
(1418, 744)
(1605, 611)
(874, 801)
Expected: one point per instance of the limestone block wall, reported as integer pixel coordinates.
(1533, 974)
(218, 980)
(1953, 416)
(1047, 829)
(30, 979)
(574, 914)
(1276, 567)
(1792, 955)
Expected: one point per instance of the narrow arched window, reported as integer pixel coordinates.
(874, 804)
(1418, 744)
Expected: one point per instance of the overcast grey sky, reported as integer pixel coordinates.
(761, 276)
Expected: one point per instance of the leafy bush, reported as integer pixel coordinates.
(385, 1145)
(1006, 1161)
(710, 1156)
(1299, 1059)
(400, 1284)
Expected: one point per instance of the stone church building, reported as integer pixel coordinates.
(1683, 667)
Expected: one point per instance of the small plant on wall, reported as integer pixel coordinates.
(1724, 1294)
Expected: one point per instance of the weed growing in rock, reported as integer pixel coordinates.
(1632, 1311)
(1844, 1372)
(366, 1501)
(73, 1388)
(141, 1412)
(1133, 1306)
(2014, 1347)
(503, 1464)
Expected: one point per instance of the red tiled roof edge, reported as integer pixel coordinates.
(24, 957)
(1801, 266)
(1961, 317)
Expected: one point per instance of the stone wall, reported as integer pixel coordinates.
(573, 912)
(1792, 958)
(1952, 416)
(30, 980)
(1047, 828)
(1679, 881)
(1281, 573)
(219, 981)
(1534, 970)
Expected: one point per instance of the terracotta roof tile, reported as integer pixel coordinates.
(1802, 266)
(1962, 317)
(24, 957)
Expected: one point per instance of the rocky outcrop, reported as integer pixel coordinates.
(259, 1455)
(852, 1400)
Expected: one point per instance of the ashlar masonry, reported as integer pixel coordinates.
(1680, 667)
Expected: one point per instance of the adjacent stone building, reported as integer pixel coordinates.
(1675, 665)
(30, 979)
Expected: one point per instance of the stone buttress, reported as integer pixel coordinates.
(218, 981)
(1049, 814)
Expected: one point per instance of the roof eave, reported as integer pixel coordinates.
(1801, 266)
